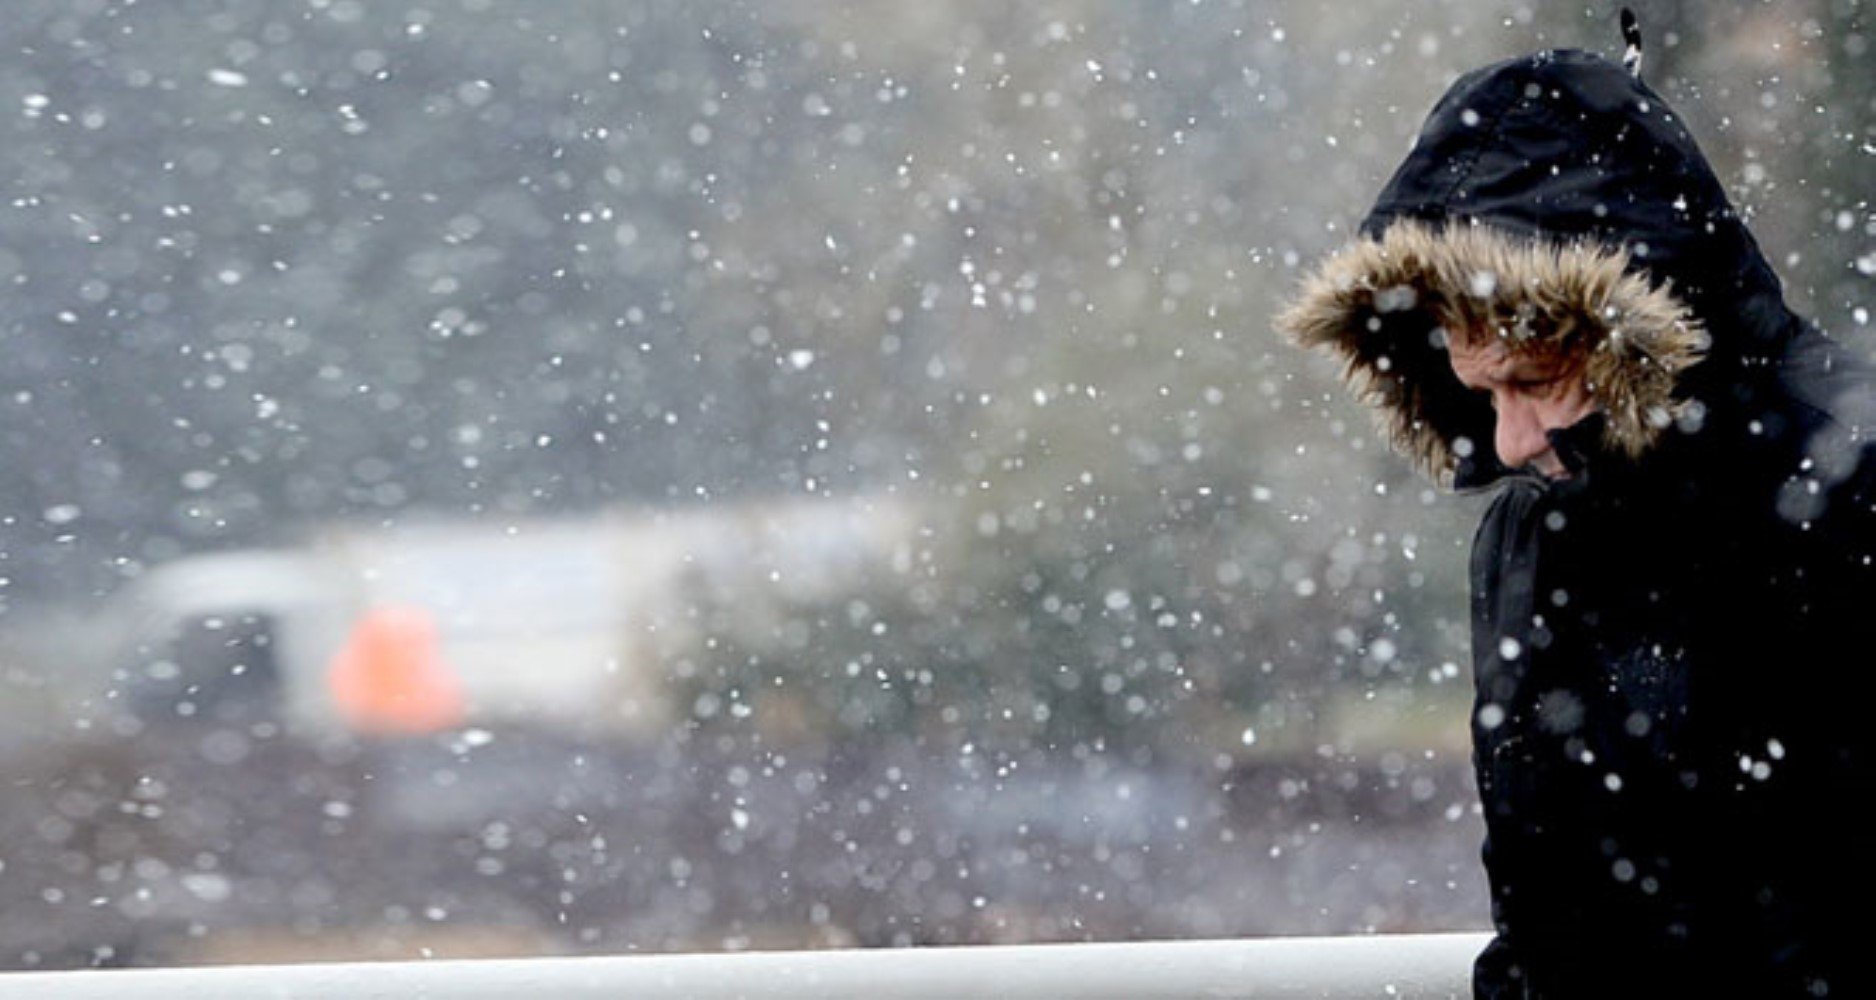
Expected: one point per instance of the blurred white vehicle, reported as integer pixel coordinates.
(418, 627)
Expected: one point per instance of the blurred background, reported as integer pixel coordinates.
(495, 478)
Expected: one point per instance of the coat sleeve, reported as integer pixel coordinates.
(1538, 807)
(1495, 975)
(1502, 584)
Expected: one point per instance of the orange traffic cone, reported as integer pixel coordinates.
(389, 677)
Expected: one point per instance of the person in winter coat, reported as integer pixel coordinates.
(1552, 300)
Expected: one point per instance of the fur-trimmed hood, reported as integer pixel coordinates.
(1384, 307)
(1556, 201)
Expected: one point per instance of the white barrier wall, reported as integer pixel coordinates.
(1383, 966)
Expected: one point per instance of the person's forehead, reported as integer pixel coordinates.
(1476, 341)
(1489, 356)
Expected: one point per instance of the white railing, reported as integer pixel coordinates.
(1382, 966)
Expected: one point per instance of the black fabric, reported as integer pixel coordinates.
(1670, 652)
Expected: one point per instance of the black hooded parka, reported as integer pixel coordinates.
(1670, 645)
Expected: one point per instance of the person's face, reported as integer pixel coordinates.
(1532, 393)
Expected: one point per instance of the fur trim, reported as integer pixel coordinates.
(1382, 306)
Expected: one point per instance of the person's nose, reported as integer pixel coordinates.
(1521, 436)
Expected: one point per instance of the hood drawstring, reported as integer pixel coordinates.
(1632, 38)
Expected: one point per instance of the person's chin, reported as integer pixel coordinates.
(1552, 469)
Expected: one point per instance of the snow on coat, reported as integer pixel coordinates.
(1669, 646)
